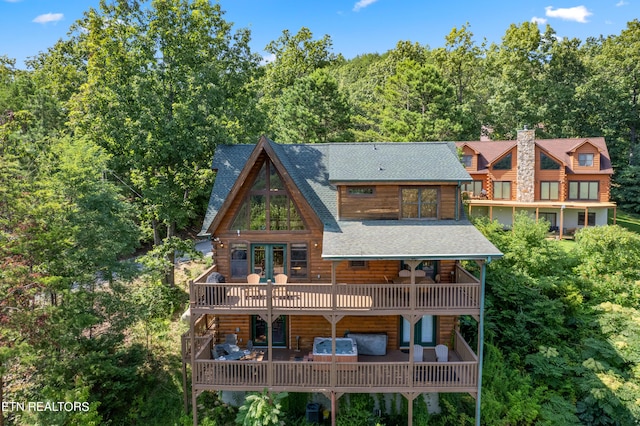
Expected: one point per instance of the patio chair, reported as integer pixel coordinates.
(418, 353)
(404, 273)
(280, 290)
(442, 353)
(253, 291)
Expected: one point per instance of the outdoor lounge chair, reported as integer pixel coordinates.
(280, 289)
(442, 353)
(254, 290)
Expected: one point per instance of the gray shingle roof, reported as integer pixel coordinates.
(395, 161)
(406, 239)
(314, 167)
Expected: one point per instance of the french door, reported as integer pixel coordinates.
(424, 331)
(268, 260)
(259, 331)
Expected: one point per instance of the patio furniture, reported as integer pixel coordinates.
(280, 289)
(418, 353)
(253, 291)
(442, 353)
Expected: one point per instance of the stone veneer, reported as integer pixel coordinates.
(525, 180)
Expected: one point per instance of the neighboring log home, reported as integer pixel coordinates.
(372, 237)
(565, 181)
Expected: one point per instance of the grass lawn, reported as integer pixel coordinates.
(627, 220)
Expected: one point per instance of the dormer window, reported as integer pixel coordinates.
(504, 163)
(467, 159)
(585, 160)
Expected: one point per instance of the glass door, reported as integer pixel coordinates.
(424, 331)
(268, 260)
(259, 331)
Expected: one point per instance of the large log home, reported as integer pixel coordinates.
(373, 240)
(565, 181)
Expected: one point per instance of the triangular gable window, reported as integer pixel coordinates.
(268, 206)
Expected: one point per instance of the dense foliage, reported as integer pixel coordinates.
(562, 336)
(105, 145)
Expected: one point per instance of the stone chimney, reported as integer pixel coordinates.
(525, 178)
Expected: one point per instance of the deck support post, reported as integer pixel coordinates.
(411, 396)
(333, 408)
(483, 274)
(194, 394)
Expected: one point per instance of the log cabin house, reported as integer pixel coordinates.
(374, 242)
(565, 181)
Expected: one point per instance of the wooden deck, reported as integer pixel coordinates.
(391, 373)
(353, 299)
(295, 371)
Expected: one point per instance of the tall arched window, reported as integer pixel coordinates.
(268, 206)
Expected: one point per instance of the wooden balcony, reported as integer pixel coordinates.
(460, 298)
(391, 373)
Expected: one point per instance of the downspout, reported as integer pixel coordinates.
(483, 274)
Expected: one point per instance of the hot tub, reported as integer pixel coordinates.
(346, 350)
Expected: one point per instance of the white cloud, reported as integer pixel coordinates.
(578, 13)
(362, 4)
(622, 3)
(268, 59)
(48, 17)
(539, 21)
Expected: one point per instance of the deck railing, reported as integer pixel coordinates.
(446, 298)
(352, 376)
(203, 345)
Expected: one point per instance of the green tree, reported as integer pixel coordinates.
(313, 110)
(165, 84)
(460, 62)
(418, 105)
(514, 70)
(294, 57)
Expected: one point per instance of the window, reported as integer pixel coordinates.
(549, 190)
(466, 160)
(299, 261)
(239, 265)
(504, 163)
(358, 264)
(548, 163)
(501, 190)
(419, 203)
(550, 217)
(268, 207)
(591, 219)
(360, 190)
(424, 331)
(585, 160)
(259, 331)
(475, 187)
(579, 190)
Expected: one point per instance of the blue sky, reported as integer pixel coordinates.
(355, 26)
